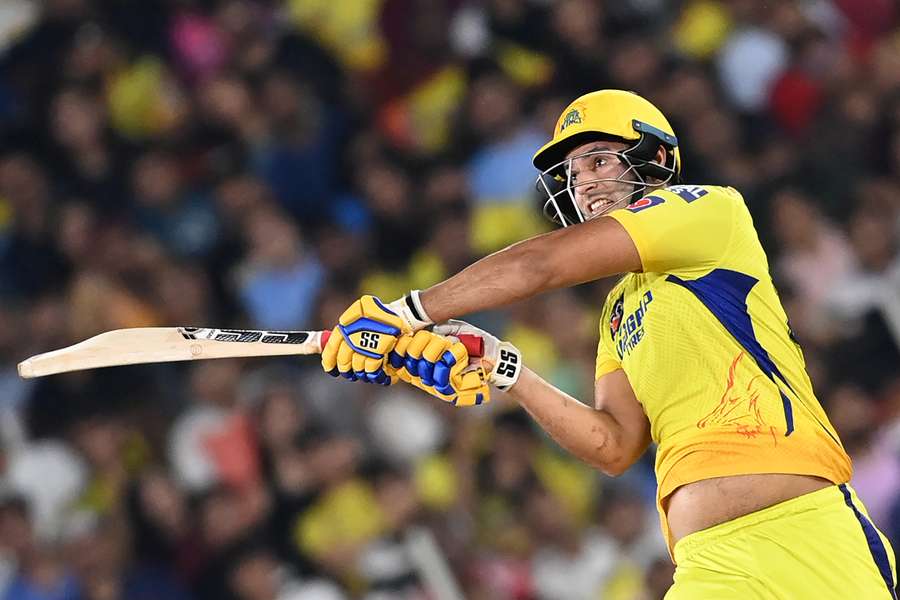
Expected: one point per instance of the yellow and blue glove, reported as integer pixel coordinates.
(501, 361)
(439, 363)
(366, 332)
(440, 366)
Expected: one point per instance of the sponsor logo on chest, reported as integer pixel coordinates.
(628, 331)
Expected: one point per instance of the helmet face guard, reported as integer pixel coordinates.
(556, 185)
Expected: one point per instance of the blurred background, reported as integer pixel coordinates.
(260, 163)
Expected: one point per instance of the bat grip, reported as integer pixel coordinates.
(474, 344)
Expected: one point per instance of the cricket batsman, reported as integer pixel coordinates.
(695, 353)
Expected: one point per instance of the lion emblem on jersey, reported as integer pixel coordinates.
(738, 409)
(615, 319)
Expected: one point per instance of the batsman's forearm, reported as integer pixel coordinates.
(560, 258)
(499, 279)
(591, 435)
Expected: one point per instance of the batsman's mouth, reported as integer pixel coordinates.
(597, 207)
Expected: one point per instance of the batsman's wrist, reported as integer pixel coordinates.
(508, 367)
(410, 309)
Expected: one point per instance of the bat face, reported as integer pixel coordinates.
(167, 344)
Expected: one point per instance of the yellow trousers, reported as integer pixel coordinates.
(819, 546)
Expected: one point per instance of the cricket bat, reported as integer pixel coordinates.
(140, 345)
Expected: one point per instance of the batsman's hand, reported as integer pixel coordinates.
(366, 332)
(440, 365)
(502, 362)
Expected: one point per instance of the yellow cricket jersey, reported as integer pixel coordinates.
(705, 343)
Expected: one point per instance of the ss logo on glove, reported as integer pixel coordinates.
(369, 339)
(508, 364)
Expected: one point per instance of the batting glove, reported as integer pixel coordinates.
(366, 332)
(501, 360)
(440, 366)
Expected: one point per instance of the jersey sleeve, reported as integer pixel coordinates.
(606, 361)
(682, 229)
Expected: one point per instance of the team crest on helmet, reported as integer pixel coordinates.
(572, 117)
(615, 319)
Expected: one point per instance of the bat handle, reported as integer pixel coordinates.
(474, 344)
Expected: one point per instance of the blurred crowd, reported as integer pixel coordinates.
(260, 163)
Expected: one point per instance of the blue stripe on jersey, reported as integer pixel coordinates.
(789, 414)
(876, 547)
(724, 293)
